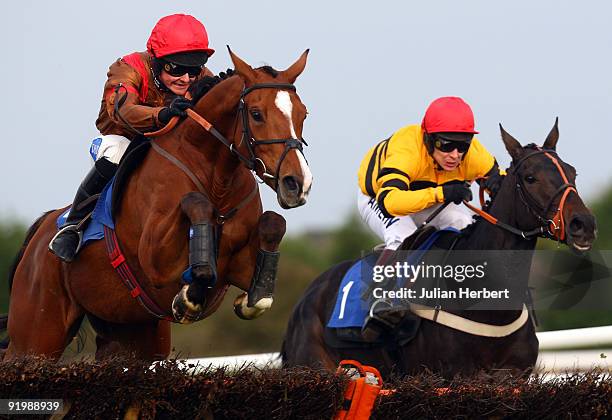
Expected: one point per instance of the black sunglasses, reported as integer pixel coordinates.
(448, 146)
(177, 70)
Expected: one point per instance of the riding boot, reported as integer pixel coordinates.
(67, 242)
(384, 315)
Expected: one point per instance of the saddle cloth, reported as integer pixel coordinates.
(102, 216)
(351, 308)
(111, 196)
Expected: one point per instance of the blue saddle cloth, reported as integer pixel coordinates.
(351, 308)
(102, 216)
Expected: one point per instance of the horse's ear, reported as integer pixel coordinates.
(296, 68)
(553, 136)
(242, 68)
(512, 145)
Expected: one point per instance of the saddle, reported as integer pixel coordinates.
(109, 200)
(407, 327)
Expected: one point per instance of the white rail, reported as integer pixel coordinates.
(574, 361)
(548, 361)
(579, 338)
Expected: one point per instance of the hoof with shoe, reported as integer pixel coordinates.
(184, 311)
(246, 312)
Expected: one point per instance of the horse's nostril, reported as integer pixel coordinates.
(576, 225)
(291, 184)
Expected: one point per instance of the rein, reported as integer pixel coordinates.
(251, 142)
(553, 228)
(249, 161)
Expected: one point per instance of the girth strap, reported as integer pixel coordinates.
(119, 263)
(467, 325)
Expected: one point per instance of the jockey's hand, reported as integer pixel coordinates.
(456, 193)
(493, 182)
(176, 108)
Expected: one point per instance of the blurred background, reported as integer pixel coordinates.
(373, 68)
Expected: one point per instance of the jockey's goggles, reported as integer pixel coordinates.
(177, 70)
(448, 146)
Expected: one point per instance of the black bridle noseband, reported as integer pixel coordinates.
(247, 136)
(551, 228)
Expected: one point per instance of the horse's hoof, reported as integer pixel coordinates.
(243, 311)
(184, 311)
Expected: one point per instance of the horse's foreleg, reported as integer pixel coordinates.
(250, 305)
(148, 341)
(188, 305)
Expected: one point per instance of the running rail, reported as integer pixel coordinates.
(549, 360)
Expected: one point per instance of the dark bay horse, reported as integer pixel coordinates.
(538, 183)
(196, 174)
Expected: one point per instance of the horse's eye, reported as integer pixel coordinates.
(530, 179)
(256, 115)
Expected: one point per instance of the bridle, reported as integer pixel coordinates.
(251, 160)
(251, 142)
(552, 228)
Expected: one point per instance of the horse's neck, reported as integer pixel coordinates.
(486, 236)
(211, 161)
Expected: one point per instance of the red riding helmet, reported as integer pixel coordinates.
(448, 114)
(181, 39)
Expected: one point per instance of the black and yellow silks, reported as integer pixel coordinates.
(404, 177)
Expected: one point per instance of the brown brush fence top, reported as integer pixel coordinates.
(108, 388)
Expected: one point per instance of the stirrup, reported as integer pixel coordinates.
(383, 318)
(373, 326)
(373, 314)
(66, 228)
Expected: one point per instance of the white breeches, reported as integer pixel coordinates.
(110, 146)
(393, 230)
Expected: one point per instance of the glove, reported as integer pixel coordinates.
(493, 182)
(457, 193)
(206, 83)
(177, 108)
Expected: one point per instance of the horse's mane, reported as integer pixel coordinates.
(269, 69)
(202, 86)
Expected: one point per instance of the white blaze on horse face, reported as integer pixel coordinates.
(283, 102)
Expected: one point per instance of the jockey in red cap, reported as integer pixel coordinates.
(154, 84)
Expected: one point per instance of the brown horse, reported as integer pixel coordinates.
(197, 174)
(537, 198)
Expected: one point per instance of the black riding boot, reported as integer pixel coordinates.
(66, 243)
(384, 314)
